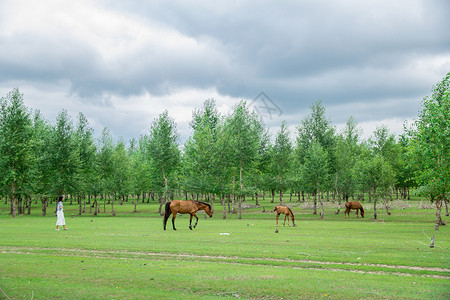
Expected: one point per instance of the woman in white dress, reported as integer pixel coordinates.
(60, 221)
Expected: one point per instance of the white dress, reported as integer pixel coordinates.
(60, 215)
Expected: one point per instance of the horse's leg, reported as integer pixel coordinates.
(357, 212)
(190, 223)
(284, 223)
(196, 221)
(277, 219)
(173, 221)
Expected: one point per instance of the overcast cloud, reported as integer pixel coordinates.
(121, 63)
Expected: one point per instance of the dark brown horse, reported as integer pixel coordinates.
(185, 207)
(353, 205)
(287, 212)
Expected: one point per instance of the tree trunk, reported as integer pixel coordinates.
(222, 200)
(240, 207)
(95, 205)
(80, 205)
(44, 206)
(374, 204)
(339, 204)
(233, 196)
(256, 190)
(13, 200)
(161, 202)
(112, 206)
(315, 204)
(438, 214)
(281, 190)
(386, 204)
(321, 204)
(446, 207)
(241, 184)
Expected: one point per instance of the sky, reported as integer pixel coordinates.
(122, 63)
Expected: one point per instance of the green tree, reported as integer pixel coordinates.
(263, 164)
(105, 168)
(64, 161)
(376, 175)
(316, 172)
(163, 149)
(244, 129)
(42, 173)
(15, 147)
(200, 168)
(140, 169)
(429, 146)
(315, 128)
(121, 170)
(86, 151)
(383, 143)
(346, 152)
(282, 157)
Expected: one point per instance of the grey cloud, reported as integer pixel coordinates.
(342, 52)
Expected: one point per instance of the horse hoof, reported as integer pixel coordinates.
(190, 227)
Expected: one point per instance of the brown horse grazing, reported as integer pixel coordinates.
(185, 207)
(353, 205)
(287, 212)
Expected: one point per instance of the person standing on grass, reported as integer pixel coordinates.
(60, 214)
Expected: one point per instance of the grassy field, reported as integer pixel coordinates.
(130, 256)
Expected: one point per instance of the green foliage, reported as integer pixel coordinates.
(316, 169)
(315, 127)
(15, 147)
(64, 159)
(163, 151)
(200, 164)
(429, 143)
(346, 152)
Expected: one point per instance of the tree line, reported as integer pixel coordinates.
(227, 159)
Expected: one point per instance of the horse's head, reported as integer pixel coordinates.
(208, 210)
(362, 213)
(275, 208)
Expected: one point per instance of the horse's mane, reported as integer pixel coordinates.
(290, 210)
(204, 203)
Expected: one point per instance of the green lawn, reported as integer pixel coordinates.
(130, 256)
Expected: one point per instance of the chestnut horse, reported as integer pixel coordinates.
(185, 207)
(353, 205)
(287, 212)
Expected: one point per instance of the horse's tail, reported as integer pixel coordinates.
(167, 214)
